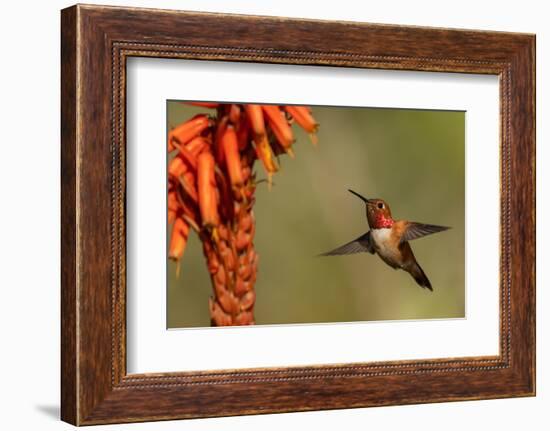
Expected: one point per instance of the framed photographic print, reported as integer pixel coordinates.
(256, 224)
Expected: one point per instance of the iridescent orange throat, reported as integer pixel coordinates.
(381, 221)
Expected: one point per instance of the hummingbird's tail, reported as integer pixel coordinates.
(420, 277)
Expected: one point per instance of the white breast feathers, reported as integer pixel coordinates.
(381, 240)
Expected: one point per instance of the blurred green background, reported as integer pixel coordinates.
(413, 159)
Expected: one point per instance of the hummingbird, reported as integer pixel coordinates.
(389, 239)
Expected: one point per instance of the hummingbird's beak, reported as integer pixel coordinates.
(364, 199)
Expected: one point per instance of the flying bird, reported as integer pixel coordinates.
(389, 239)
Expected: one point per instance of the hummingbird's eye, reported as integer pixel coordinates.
(380, 205)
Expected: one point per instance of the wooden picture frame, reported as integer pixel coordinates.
(95, 43)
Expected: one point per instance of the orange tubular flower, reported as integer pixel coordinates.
(303, 117)
(188, 130)
(232, 158)
(208, 202)
(279, 125)
(256, 118)
(178, 240)
(172, 206)
(204, 104)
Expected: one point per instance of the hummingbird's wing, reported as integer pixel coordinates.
(415, 230)
(358, 245)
